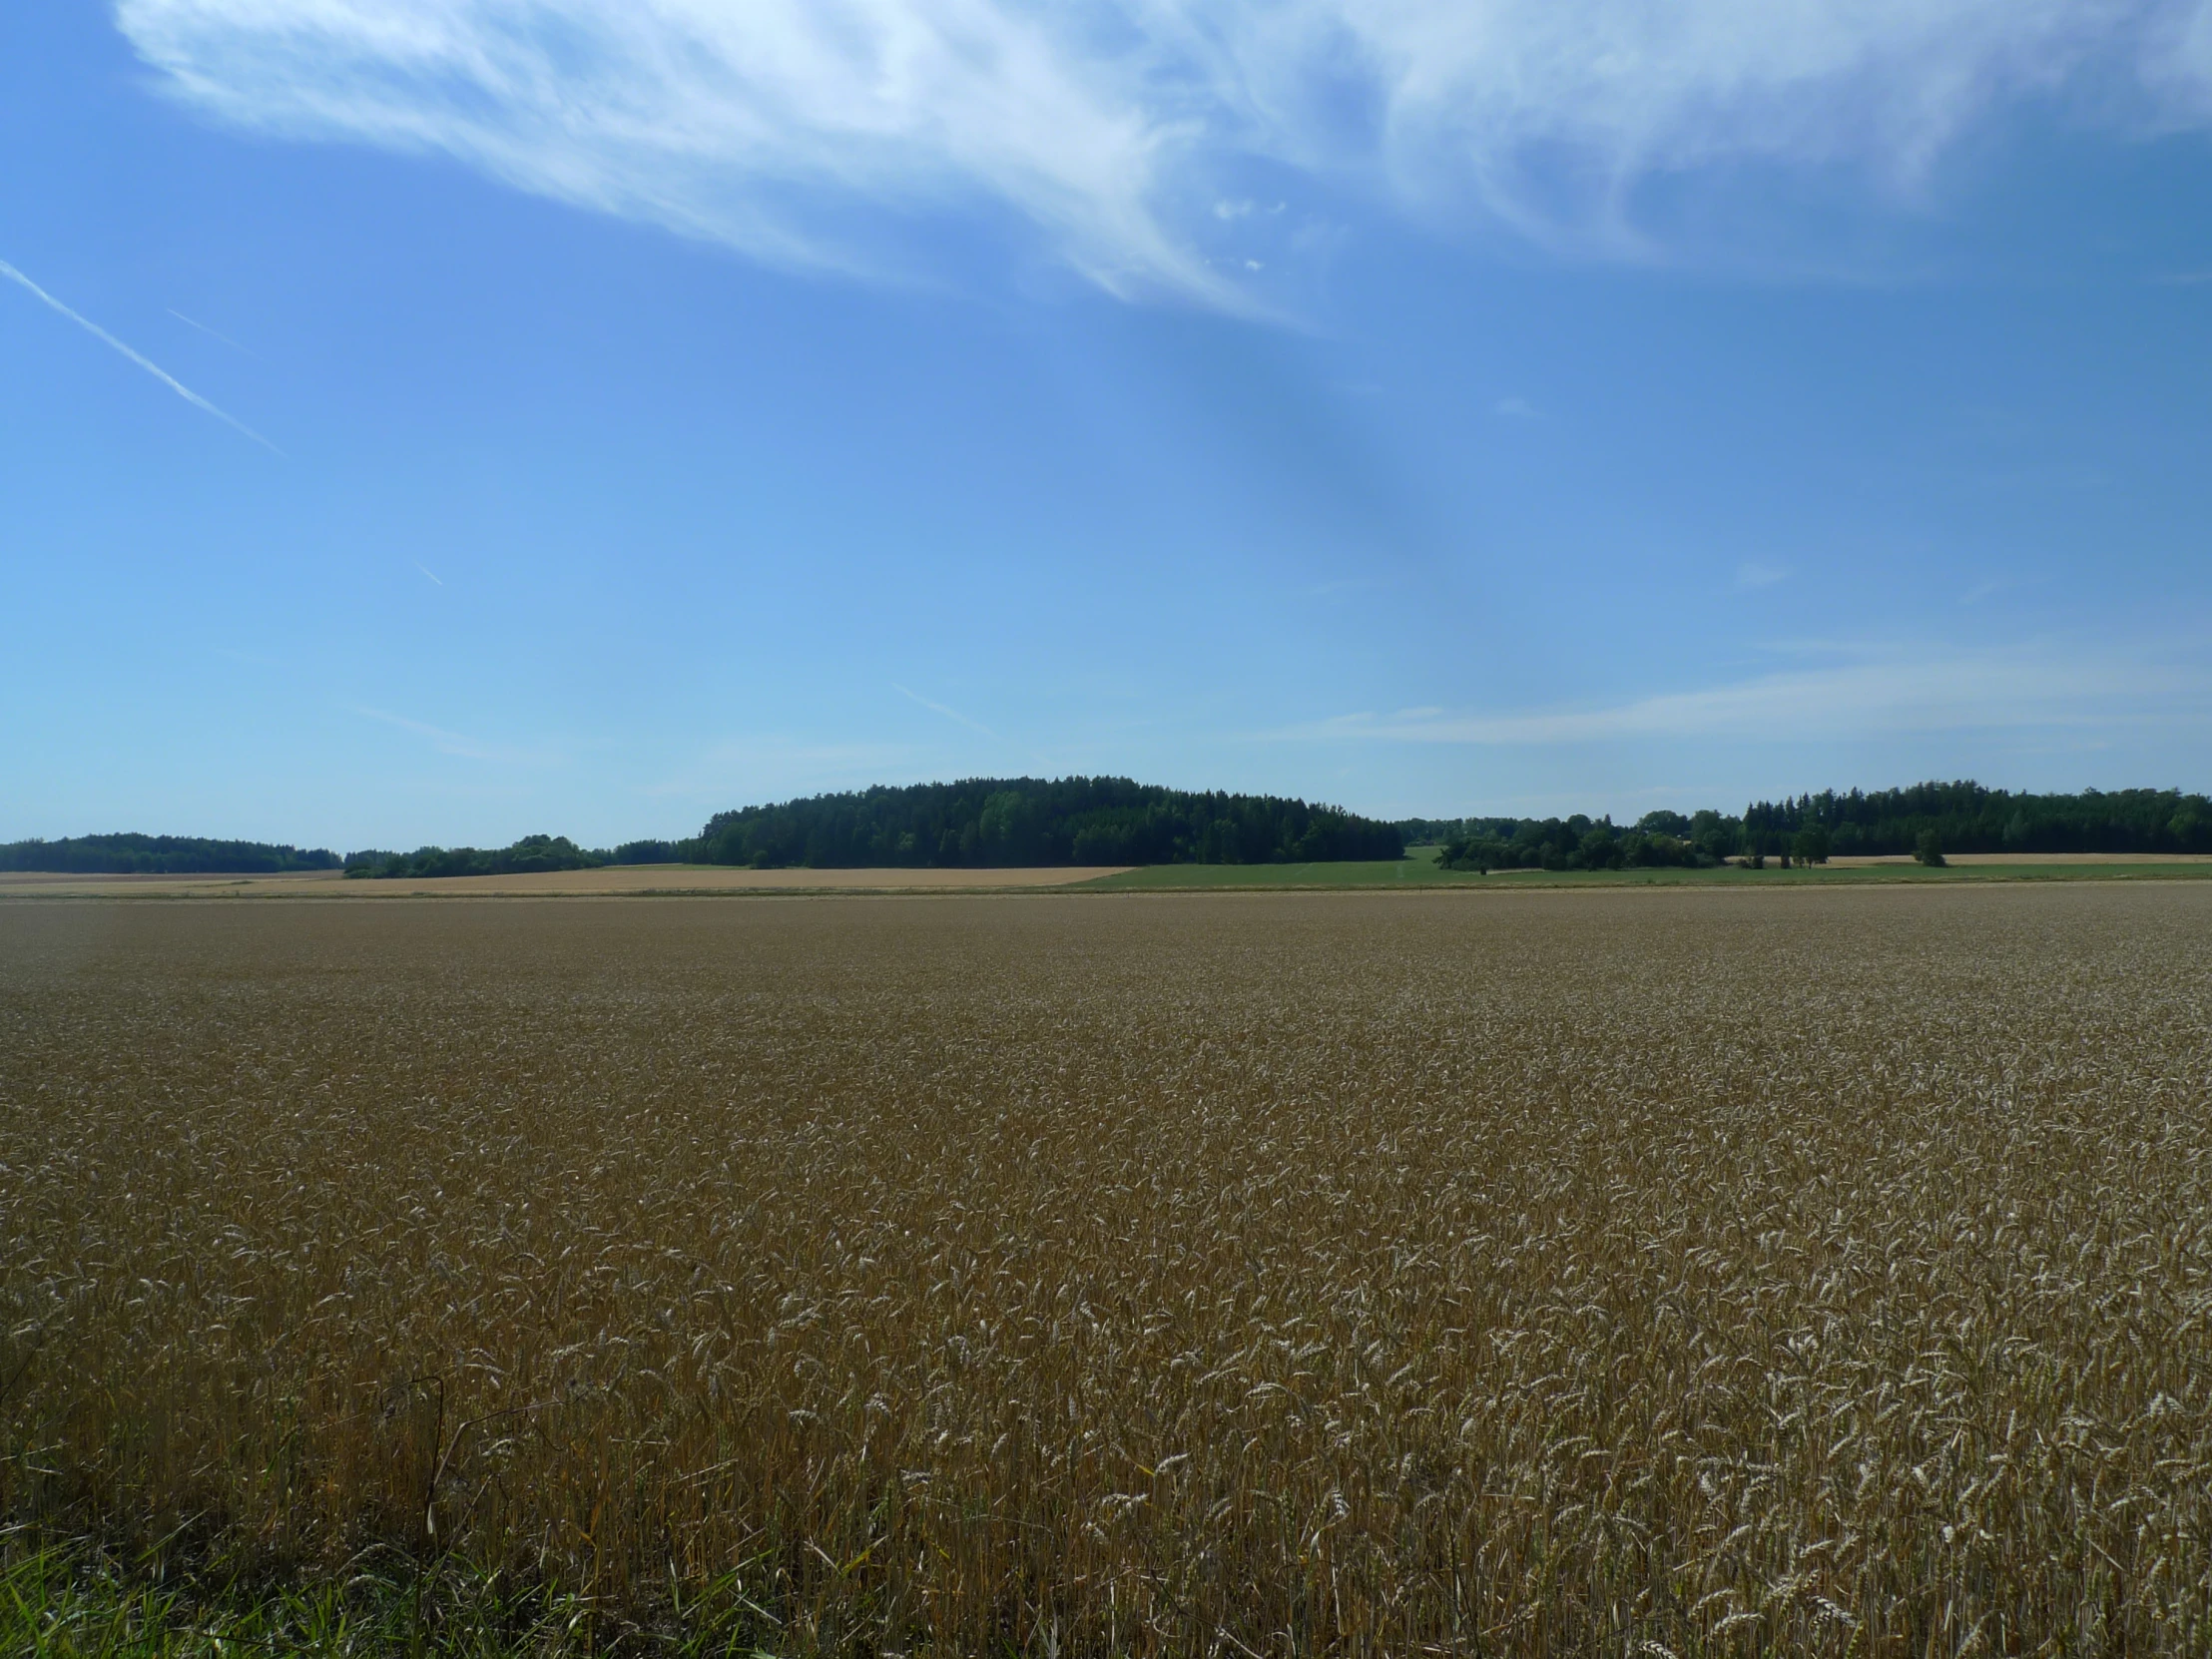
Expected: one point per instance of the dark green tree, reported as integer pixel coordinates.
(136, 854)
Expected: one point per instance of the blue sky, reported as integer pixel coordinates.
(612, 413)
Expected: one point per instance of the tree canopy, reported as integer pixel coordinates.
(1010, 822)
(1965, 817)
(1661, 838)
(531, 855)
(1954, 818)
(979, 822)
(134, 855)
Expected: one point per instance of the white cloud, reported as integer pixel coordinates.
(797, 130)
(758, 125)
(1895, 692)
(1752, 574)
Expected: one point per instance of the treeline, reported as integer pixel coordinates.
(1016, 821)
(1926, 820)
(1657, 840)
(1010, 822)
(981, 821)
(131, 855)
(1965, 817)
(531, 855)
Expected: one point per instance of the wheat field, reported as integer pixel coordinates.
(1627, 1272)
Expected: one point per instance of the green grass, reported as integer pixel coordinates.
(73, 1602)
(65, 1603)
(1418, 868)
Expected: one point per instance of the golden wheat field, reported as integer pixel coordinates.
(1667, 1271)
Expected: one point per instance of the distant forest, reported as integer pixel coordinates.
(159, 855)
(1927, 818)
(983, 822)
(1015, 822)
(1967, 817)
(1006, 822)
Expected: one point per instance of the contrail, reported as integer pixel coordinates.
(949, 714)
(168, 379)
(427, 571)
(204, 329)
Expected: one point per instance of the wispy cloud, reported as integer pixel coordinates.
(1514, 408)
(751, 770)
(759, 126)
(455, 742)
(170, 380)
(1750, 574)
(949, 714)
(1899, 691)
(193, 322)
(1118, 129)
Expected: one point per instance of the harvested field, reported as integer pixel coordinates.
(1700, 1272)
(616, 881)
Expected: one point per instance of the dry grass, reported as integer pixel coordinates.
(1809, 1272)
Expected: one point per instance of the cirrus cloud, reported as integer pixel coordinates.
(800, 131)
(1885, 692)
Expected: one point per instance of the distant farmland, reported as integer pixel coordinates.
(1735, 1271)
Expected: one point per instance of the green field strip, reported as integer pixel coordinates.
(1420, 871)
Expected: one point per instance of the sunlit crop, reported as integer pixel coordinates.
(1706, 1272)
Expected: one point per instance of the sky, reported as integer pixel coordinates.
(445, 421)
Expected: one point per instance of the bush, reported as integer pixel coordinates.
(1929, 852)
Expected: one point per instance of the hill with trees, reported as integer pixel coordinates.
(134, 855)
(986, 822)
(1014, 822)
